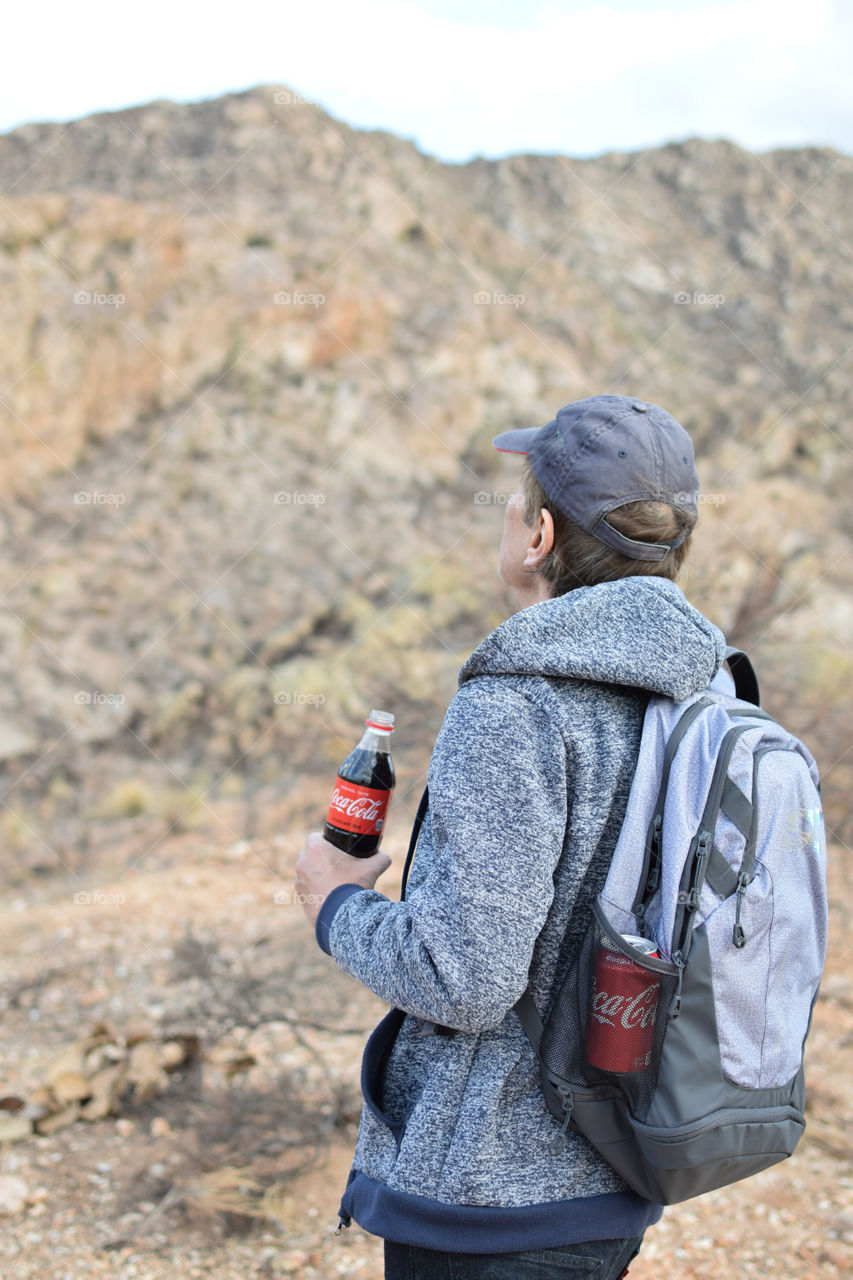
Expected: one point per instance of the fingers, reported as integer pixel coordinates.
(375, 865)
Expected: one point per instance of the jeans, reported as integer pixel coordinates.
(592, 1260)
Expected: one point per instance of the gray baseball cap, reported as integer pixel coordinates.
(600, 453)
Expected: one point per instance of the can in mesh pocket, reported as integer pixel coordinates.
(622, 1011)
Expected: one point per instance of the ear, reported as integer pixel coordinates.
(541, 542)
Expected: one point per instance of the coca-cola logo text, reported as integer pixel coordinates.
(362, 807)
(628, 1012)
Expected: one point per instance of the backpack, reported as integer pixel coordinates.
(678, 1053)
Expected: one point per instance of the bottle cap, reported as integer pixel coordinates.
(380, 720)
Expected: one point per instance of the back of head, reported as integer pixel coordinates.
(617, 476)
(579, 559)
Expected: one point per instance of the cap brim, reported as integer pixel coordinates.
(517, 441)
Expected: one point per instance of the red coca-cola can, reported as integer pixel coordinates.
(623, 1005)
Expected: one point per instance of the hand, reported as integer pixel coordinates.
(322, 866)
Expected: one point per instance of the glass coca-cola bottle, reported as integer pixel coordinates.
(362, 790)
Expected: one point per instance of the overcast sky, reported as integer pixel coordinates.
(460, 77)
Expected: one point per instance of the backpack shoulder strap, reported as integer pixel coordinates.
(528, 1016)
(428, 1028)
(413, 841)
(743, 673)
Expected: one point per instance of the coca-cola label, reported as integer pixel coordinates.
(619, 1034)
(625, 1011)
(357, 808)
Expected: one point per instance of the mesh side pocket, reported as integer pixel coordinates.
(608, 1021)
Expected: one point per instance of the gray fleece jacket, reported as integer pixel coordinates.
(528, 785)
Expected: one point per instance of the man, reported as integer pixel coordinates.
(528, 784)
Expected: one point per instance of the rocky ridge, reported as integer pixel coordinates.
(252, 363)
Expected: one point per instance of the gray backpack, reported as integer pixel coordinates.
(679, 1055)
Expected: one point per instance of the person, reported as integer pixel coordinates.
(527, 788)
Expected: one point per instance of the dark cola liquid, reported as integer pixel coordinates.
(368, 780)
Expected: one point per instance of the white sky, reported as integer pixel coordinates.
(460, 77)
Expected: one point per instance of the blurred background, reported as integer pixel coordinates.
(267, 294)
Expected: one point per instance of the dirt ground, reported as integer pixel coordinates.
(208, 941)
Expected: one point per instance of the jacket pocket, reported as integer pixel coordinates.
(376, 1051)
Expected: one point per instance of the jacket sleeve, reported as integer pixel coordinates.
(458, 950)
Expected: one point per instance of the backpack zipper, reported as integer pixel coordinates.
(746, 873)
(738, 934)
(650, 874)
(675, 1006)
(729, 1115)
(557, 1147)
(693, 874)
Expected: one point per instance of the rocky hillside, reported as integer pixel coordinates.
(252, 361)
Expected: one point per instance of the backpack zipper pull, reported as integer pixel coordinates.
(657, 836)
(675, 1008)
(558, 1145)
(343, 1221)
(738, 935)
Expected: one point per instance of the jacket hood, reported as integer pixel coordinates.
(637, 631)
